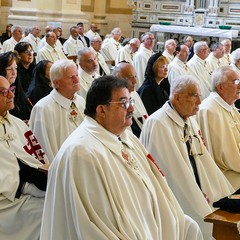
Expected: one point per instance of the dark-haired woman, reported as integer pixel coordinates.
(41, 84)
(8, 69)
(155, 89)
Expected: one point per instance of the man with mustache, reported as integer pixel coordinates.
(56, 116)
(103, 183)
(174, 139)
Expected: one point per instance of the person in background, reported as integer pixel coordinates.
(155, 89)
(8, 69)
(23, 182)
(227, 43)
(41, 84)
(103, 184)
(25, 64)
(169, 49)
(85, 40)
(7, 34)
(188, 41)
(93, 31)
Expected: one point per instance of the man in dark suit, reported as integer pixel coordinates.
(85, 40)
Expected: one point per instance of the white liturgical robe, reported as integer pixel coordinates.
(162, 135)
(97, 192)
(34, 41)
(71, 46)
(220, 125)
(213, 62)
(52, 122)
(9, 45)
(20, 218)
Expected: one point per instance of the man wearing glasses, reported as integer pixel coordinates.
(103, 183)
(174, 139)
(219, 121)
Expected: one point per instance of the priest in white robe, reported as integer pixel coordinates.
(104, 185)
(219, 121)
(191, 173)
(23, 184)
(57, 115)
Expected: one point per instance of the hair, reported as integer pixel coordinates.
(6, 60)
(235, 55)
(198, 46)
(80, 24)
(58, 68)
(180, 83)
(224, 41)
(169, 41)
(95, 38)
(82, 52)
(72, 29)
(220, 75)
(216, 45)
(116, 30)
(145, 35)
(21, 47)
(162, 60)
(185, 39)
(14, 28)
(100, 92)
(7, 26)
(120, 68)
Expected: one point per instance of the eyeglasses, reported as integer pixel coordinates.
(165, 66)
(5, 92)
(126, 102)
(28, 51)
(236, 81)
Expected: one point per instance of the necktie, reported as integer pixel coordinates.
(73, 112)
(185, 66)
(228, 59)
(187, 139)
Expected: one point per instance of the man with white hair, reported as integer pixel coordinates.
(72, 45)
(219, 121)
(57, 115)
(227, 43)
(169, 49)
(10, 44)
(173, 138)
(200, 68)
(111, 48)
(142, 56)
(128, 51)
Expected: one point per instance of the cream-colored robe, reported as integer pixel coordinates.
(94, 193)
(220, 126)
(162, 135)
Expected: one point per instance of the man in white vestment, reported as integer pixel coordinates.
(214, 59)
(72, 45)
(226, 59)
(57, 115)
(111, 48)
(33, 38)
(43, 40)
(10, 44)
(50, 51)
(178, 66)
(200, 68)
(169, 49)
(23, 184)
(87, 70)
(219, 121)
(173, 138)
(142, 56)
(127, 52)
(92, 31)
(96, 45)
(104, 185)
(126, 71)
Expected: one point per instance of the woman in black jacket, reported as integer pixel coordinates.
(155, 89)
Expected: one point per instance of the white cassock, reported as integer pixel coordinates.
(214, 62)
(140, 61)
(91, 34)
(162, 135)
(125, 54)
(220, 125)
(33, 41)
(51, 54)
(71, 46)
(9, 45)
(101, 62)
(85, 81)
(177, 68)
(20, 218)
(168, 56)
(226, 59)
(52, 122)
(110, 49)
(94, 192)
(201, 71)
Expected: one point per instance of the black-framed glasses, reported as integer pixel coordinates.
(28, 51)
(5, 92)
(125, 102)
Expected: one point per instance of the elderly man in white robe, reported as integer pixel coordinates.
(23, 183)
(103, 184)
(173, 138)
(169, 49)
(142, 56)
(126, 71)
(87, 70)
(57, 115)
(219, 121)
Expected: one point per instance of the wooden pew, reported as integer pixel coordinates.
(224, 225)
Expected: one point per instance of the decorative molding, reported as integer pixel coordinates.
(88, 8)
(116, 10)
